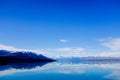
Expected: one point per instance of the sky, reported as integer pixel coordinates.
(61, 27)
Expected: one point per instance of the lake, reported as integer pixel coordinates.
(60, 71)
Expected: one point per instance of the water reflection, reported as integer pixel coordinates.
(21, 65)
(67, 70)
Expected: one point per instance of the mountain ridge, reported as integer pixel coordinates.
(20, 56)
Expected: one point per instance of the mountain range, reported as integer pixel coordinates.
(20, 56)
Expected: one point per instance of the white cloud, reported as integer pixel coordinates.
(109, 54)
(112, 43)
(65, 51)
(63, 41)
(12, 48)
(69, 49)
(55, 52)
(7, 47)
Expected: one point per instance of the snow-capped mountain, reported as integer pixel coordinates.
(89, 60)
(10, 56)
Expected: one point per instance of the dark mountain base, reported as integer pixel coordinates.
(6, 60)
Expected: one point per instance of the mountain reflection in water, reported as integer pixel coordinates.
(21, 65)
(66, 70)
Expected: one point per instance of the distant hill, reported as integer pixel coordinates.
(9, 56)
(89, 60)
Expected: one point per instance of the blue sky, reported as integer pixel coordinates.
(54, 24)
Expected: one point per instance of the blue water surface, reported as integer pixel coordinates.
(60, 71)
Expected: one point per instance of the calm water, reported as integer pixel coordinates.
(60, 71)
